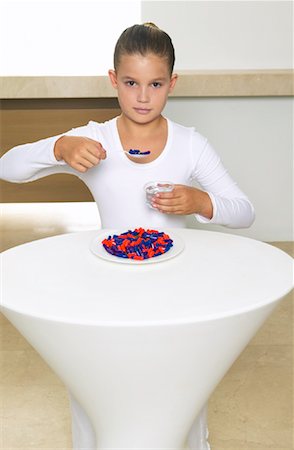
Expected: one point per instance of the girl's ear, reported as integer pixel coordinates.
(173, 81)
(113, 78)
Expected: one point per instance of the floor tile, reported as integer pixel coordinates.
(252, 406)
(42, 418)
(10, 338)
(26, 367)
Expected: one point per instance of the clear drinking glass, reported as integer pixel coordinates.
(154, 187)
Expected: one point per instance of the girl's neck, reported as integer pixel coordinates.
(144, 130)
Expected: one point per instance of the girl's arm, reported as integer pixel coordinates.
(231, 207)
(218, 200)
(73, 152)
(28, 162)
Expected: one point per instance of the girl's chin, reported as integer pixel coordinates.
(142, 118)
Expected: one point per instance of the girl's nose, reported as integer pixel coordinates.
(143, 96)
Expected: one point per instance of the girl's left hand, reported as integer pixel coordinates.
(184, 200)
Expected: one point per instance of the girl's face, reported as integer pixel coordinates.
(143, 84)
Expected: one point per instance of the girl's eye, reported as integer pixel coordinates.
(156, 84)
(130, 83)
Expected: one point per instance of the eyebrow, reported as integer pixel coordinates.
(154, 79)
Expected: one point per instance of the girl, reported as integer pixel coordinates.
(143, 77)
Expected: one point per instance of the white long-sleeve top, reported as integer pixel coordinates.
(117, 183)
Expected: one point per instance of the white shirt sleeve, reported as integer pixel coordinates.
(231, 207)
(29, 162)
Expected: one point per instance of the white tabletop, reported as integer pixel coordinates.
(216, 275)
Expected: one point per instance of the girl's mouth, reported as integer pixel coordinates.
(142, 110)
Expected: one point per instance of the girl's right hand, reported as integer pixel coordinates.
(81, 153)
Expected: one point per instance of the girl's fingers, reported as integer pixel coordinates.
(168, 205)
(173, 194)
(87, 155)
(165, 194)
(168, 201)
(95, 148)
(93, 160)
(79, 167)
(83, 164)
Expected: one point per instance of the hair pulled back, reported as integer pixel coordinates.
(144, 39)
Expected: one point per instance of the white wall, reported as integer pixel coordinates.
(226, 34)
(254, 136)
(62, 37)
(254, 139)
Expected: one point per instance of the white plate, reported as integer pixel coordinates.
(97, 248)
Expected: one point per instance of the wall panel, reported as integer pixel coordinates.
(24, 121)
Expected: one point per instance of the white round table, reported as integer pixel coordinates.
(142, 346)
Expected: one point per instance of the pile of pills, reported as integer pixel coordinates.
(138, 244)
(138, 152)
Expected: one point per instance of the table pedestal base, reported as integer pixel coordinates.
(141, 386)
(84, 437)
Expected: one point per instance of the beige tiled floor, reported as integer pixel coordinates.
(251, 409)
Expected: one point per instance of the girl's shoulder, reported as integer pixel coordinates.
(102, 130)
(102, 126)
(187, 133)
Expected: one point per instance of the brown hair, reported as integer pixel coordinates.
(143, 39)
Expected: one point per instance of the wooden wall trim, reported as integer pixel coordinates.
(23, 121)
